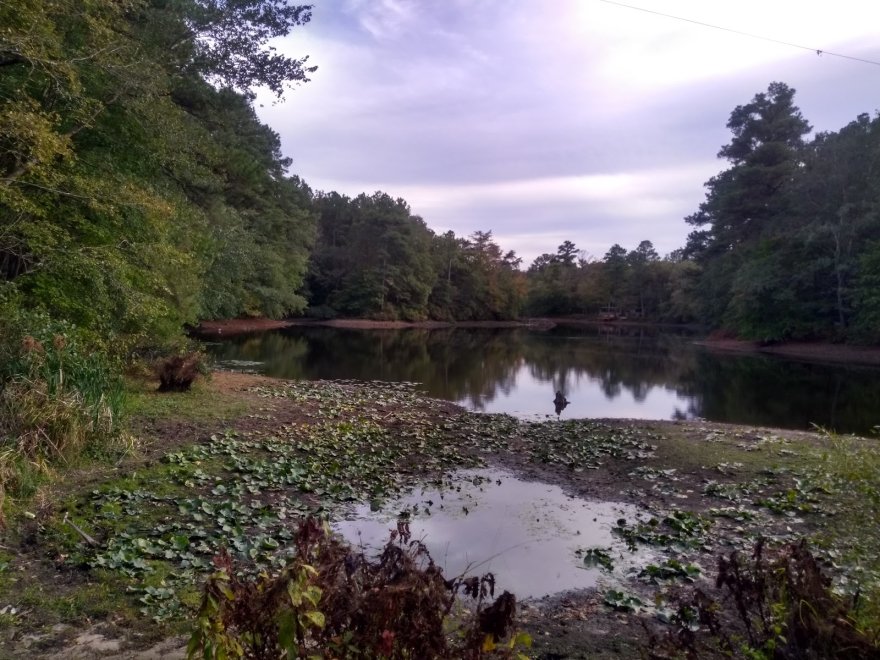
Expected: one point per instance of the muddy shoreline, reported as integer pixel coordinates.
(693, 466)
(232, 327)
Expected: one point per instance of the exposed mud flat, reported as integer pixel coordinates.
(668, 498)
(812, 351)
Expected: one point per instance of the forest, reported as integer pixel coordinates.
(140, 193)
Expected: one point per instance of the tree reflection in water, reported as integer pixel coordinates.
(606, 371)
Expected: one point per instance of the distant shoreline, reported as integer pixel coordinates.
(810, 351)
(231, 327)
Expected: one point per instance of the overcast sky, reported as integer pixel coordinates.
(553, 120)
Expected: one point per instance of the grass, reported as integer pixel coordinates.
(45, 485)
(60, 406)
(44, 599)
(202, 402)
(695, 447)
(851, 467)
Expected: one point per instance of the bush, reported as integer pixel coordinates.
(330, 602)
(58, 400)
(774, 605)
(177, 373)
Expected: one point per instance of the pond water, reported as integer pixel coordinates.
(526, 533)
(602, 371)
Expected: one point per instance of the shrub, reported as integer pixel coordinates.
(777, 605)
(177, 373)
(57, 400)
(331, 602)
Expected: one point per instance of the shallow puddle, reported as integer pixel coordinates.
(526, 533)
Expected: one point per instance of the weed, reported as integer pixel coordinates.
(776, 605)
(58, 402)
(177, 373)
(329, 602)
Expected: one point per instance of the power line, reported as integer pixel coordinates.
(818, 51)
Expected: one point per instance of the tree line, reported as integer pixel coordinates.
(138, 189)
(139, 192)
(787, 242)
(373, 258)
(785, 246)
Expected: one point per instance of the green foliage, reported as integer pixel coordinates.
(227, 42)
(374, 259)
(784, 239)
(636, 284)
(670, 569)
(137, 192)
(866, 295)
(371, 259)
(623, 602)
(134, 195)
(679, 531)
(600, 557)
(59, 400)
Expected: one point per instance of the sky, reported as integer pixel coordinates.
(554, 120)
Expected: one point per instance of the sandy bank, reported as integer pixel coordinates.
(229, 327)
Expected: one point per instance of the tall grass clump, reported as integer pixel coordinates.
(850, 469)
(60, 401)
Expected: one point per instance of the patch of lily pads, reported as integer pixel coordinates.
(245, 492)
(369, 442)
(582, 444)
(679, 531)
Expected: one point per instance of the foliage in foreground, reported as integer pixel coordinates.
(775, 605)
(330, 602)
(58, 401)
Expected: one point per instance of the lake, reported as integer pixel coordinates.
(603, 371)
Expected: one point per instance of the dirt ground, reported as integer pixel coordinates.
(231, 327)
(673, 466)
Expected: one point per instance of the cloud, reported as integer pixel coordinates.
(572, 120)
(533, 216)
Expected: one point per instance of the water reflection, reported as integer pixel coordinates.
(601, 372)
(526, 533)
(560, 403)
